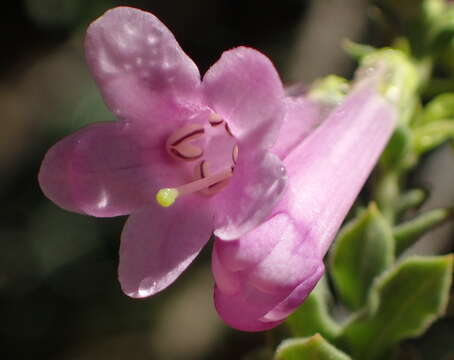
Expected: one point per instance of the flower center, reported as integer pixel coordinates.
(211, 146)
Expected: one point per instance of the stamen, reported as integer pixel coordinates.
(202, 170)
(186, 152)
(186, 133)
(215, 119)
(179, 142)
(167, 196)
(227, 128)
(235, 154)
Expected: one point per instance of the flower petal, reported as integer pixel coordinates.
(105, 169)
(296, 297)
(138, 64)
(158, 244)
(329, 168)
(302, 116)
(246, 311)
(253, 191)
(245, 89)
(262, 277)
(255, 274)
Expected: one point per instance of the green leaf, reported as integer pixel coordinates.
(312, 316)
(431, 135)
(406, 234)
(363, 250)
(397, 148)
(442, 30)
(402, 304)
(440, 108)
(356, 50)
(314, 347)
(410, 199)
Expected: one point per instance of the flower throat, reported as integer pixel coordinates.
(214, 151)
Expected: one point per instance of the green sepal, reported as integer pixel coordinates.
(329, 91)
(314, 347)
(407, 233)
(363, 250)
(399, 81)
(402, 304)
(312, 316)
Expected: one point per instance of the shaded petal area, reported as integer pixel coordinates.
(255, 274)
(253, 191)
(105, 169)
(138, 65)
(245, 89)
(302, 116)
(158, 244)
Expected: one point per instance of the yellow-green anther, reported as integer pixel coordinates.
(166, 197)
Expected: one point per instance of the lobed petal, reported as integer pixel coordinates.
(245, 89)
(302, 116)
(262, 277)
(255, 274)
(253, 191)
(158, 244)
(105, 169)
(138, 65)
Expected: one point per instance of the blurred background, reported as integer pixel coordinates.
(59, 295)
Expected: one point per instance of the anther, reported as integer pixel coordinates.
(215, 119)
(235, 154)
(227, 128)
(179, 142)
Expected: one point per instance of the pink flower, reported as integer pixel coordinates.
(203, 143)
(267, 273)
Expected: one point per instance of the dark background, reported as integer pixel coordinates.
(59, 295)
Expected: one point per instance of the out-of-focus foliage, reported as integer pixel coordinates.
(314, 347)
(363, 250)
(378, 302)
(403, 303)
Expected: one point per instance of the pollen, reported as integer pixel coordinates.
(167, 196)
